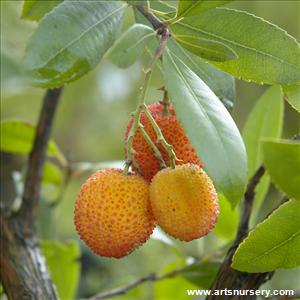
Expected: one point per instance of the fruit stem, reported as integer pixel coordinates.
(165, 34)
(161, 139)
(136, 124)
(153, 146)
(166, 101)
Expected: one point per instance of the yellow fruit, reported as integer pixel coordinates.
(112, 212)
(174, 134)
(184, 202)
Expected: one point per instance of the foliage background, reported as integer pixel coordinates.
(89, 126)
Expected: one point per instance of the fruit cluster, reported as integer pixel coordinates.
(116, 212)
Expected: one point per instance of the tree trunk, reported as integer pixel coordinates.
(23, 268)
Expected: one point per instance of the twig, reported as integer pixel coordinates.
(248, 203)
(165, 34)
(151, 277)
(37, 156)
(24, 273)
(161, 139)
(231, 278)
(156, 23)
(153, 146)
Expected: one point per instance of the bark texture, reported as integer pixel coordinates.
(23, 268)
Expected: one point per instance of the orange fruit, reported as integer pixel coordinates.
(112, 212)
(184, 202)
(174, 134)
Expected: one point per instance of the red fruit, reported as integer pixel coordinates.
(174, 135)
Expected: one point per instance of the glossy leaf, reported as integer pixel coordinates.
(292, 93)
(202, 274)
(17, 137)
(130, 45)
(282, 160)
(220, 83)
(273, 244)
(228, 219)
(35, 9)
(62, 260)
(208, 49)
(246, 34)
(55, 56)
(265, 120)
(209, 127)
(194, 7)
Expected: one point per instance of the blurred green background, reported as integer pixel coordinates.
(89, 127)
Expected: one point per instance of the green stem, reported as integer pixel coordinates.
(161, 139)
(165, 34)
(166, 102)
(136, 124)
(153, 146)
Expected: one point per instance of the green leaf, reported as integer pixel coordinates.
(71, 40)
(282, 160)
(52, 181)
(254, 40)
(220, 83)
(52, 174)
(62, 260)
(166, 10)
(206, 48)
(194, 7)
(35, 9)
(265, 120)
(17, 137)
(202, 274)
(130, 45)
(137, 2)
(273, 244)
(209, 127)
(261, 192)
(292, 93)
(228, 219)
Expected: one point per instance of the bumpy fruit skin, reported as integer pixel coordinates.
(174, 135)
(113, 214)
(184, 202)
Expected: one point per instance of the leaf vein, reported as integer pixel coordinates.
(81, 35)
(294, 235)
(205, 113)
(237, 44)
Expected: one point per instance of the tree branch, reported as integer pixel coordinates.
(156, 23)
(249, 197)
(231, 278)
(151, 277)
(23, 271)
